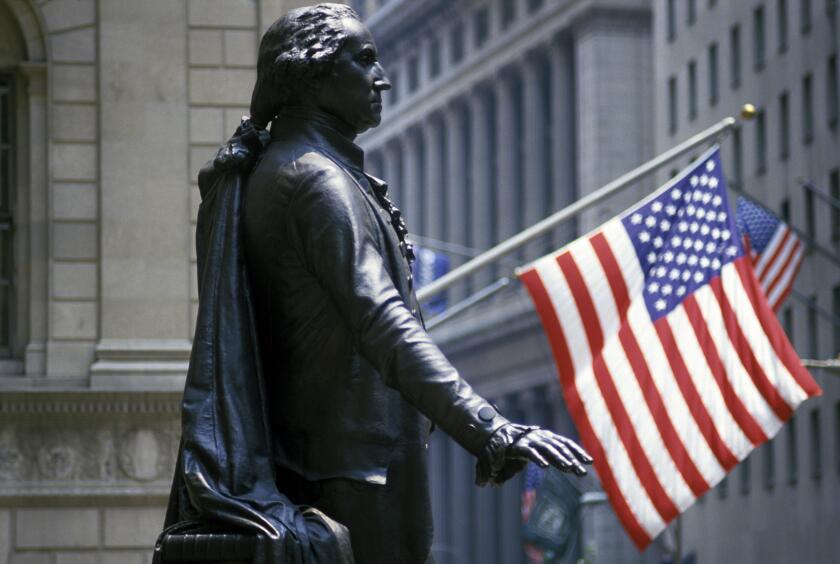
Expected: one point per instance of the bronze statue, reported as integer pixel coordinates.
(345, 384)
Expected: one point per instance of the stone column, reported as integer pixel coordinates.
(458, 211)
(412, 182)
(144, 245)
(564, 188)
(509, 181)
(392, 171)
(535, 195)
(36, 85)
(435, 179)
(482, 197)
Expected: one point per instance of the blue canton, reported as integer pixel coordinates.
(684, 235)
(757, 223)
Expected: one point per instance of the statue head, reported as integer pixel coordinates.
(320, 56)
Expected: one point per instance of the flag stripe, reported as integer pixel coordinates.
(781, 287)
(741, 418)
(778, 260)
(626, 430)
(751, 366)
(695, 404)
(769, 254)
(612, 272)
(784, 350)
(548, 316)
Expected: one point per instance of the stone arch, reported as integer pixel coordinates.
(24, 55)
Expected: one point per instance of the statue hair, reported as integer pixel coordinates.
(296, 52)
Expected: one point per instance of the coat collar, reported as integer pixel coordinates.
(322, 130)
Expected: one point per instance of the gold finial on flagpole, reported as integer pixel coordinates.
(748, 111)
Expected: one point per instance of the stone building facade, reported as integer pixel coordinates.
(501, 112)
(107, 110)
(780, 505)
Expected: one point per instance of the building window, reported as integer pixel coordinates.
(834, 192)
(835, 306)
(784, 210)
(760, 143)
(713, 74)
(434, 57)
(481, 20)
(782, 24)
(813, 327)
(672, 105)
(810, 224)
(787, 322)
(692, 90)
(816, 445)
(691, 11)
(6, 230)
(737, 159)
(456, 43)
(758, 38)
(830, 7)
(807, 108)
(769, 476)
(534, 5)
(805, 15)
(722, 488)
(413, 73)
(735, 55)
(837, 438)
(508, 13)
(784, 126)
(744, 471)
(792, 451)
(832, 97)
(672, 20)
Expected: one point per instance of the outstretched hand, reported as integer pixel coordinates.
(545, 448)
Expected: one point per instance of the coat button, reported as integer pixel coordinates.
(486, 413)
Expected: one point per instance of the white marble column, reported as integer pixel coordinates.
(482, 179)
(412, 182)
(457, 194)
(392, 171)
(535, 140)
(564, 188)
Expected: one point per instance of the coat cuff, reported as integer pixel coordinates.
(493, 466)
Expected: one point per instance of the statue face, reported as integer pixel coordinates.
(353, 90)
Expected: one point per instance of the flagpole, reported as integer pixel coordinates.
(523, 237)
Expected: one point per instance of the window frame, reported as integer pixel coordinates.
(7, 218)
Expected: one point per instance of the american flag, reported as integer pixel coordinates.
(533, 479)
(775, 250)
(672, 364)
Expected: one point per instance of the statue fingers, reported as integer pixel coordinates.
(568, 453)
(578, 451)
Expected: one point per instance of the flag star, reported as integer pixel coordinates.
(722, 216)
(711, 216)
(674, 274)
(664, 225)
(656, 206)
(657, 242)
(681, 258)
(686, 275)
(694, 180)
(704, 262)
(717, 200)
(681, 290)
(698, 276)
(692, 260)
(676, 193)
(732, 251)
(660, 271)
(687, 242)
(660, 304)
(710, 247)
(713, 182)
(670, 209)
(650, 221)
(667, 289)
(683, 226)
(644, 236)
(636, 218)
(704, 229)
(701, 213)
(725, 234)
(716, 263)
(653, 287)
(687, 197)
(697, 196)
(695, 227)
(668, 256)
(704, 180)
(707, 197)
(698, 245)
(710, 166)
(716, 233)
(651, 257)
(690, 209)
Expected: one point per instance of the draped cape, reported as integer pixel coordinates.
(225, 479)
